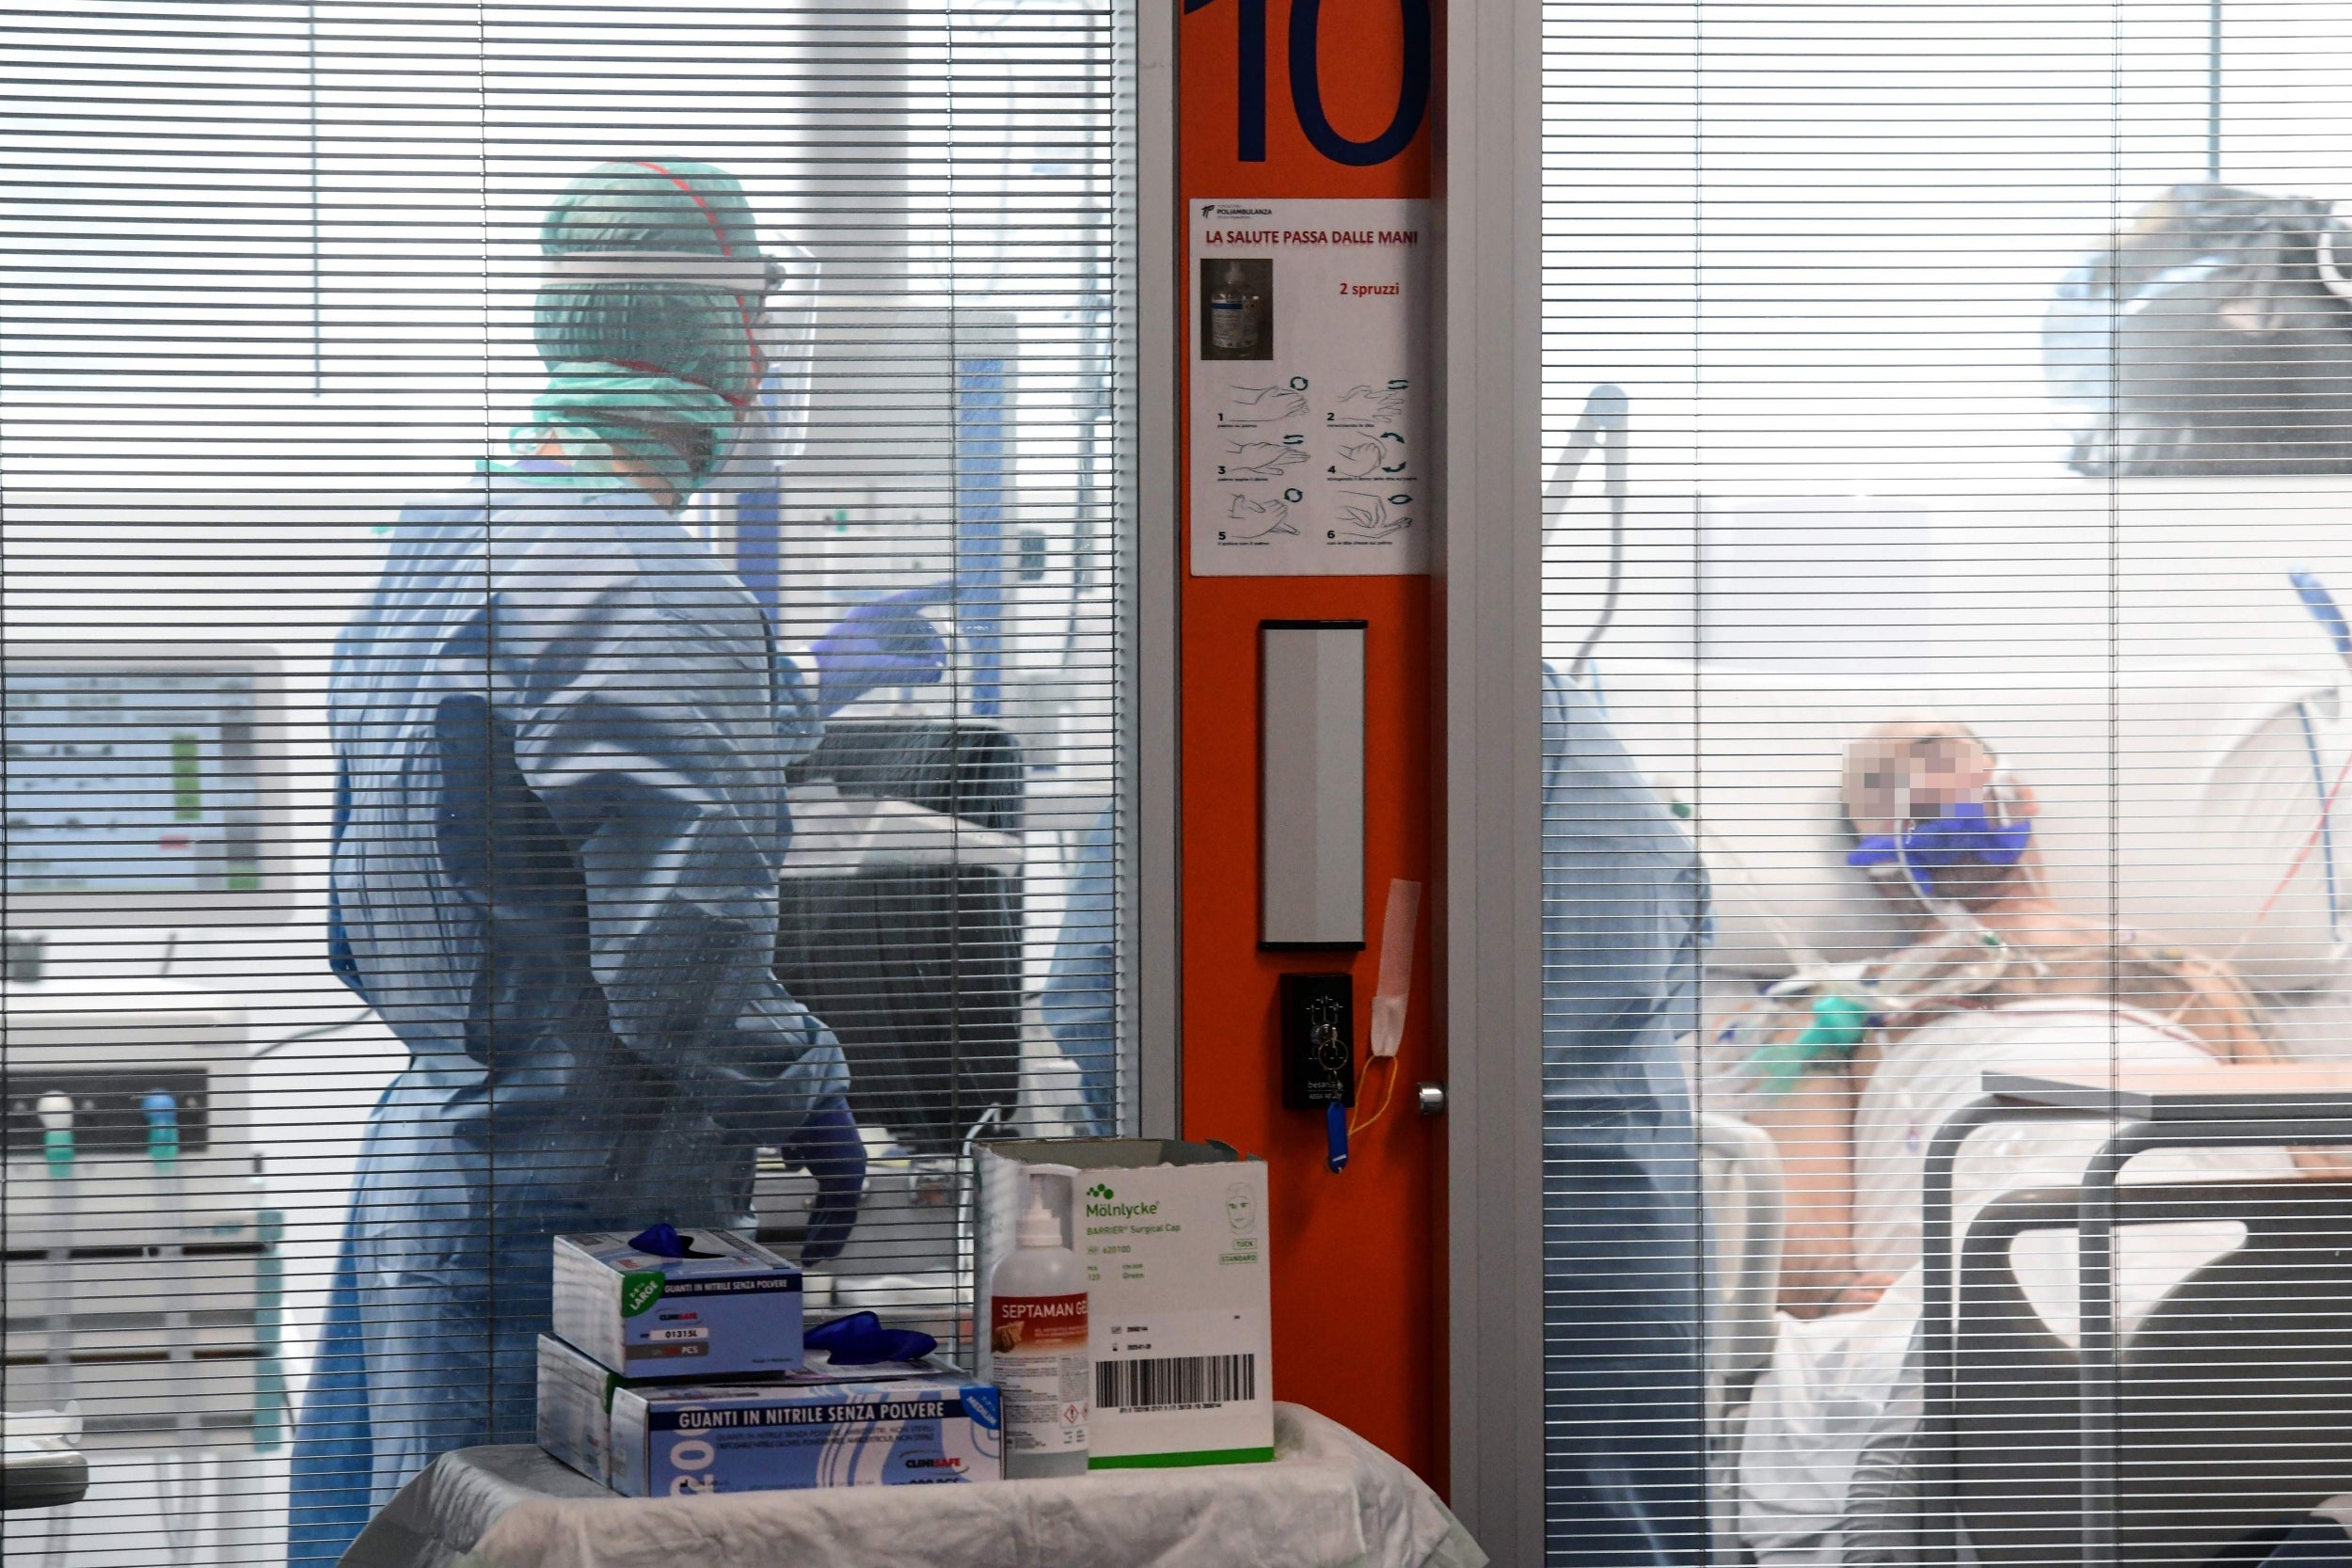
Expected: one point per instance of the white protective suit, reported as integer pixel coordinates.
(1835, 1382)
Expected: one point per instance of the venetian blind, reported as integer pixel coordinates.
(1952, 413)
(633, 798)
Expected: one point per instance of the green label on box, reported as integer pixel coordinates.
(640, 1291)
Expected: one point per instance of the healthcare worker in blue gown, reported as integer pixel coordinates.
(1624, 923)
(1076, 1003)
(560, 729)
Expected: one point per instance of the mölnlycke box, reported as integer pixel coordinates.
(1173, 1238)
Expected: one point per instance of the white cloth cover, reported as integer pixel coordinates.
(1329, 1500)
(1836, 1381)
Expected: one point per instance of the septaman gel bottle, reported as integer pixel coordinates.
(1237, 315)
(1037, 1339)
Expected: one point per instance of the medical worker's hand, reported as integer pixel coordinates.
(888, 642)
(828, 1146)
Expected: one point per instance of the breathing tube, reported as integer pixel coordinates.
(1837, 1021)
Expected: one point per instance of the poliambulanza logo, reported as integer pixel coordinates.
(640, 1290)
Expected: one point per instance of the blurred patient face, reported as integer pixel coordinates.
(1912, 771)
(1903, 774)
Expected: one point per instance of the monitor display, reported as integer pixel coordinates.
(137, 787)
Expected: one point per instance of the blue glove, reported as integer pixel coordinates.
(828, 1145)
(860, 1340)
(888, 642)
(667, 1240)
(662, 1240)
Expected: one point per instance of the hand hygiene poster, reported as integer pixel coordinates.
(1308, 388)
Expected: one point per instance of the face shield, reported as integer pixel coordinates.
(778, 296)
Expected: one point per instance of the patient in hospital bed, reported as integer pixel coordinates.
(1852, 1074)
(1986, 937)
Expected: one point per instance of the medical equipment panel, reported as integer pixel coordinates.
(146, 785)
(1318, 1041)
(144, 1281)
(902, 924)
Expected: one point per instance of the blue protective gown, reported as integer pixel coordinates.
(1078, 1003)
(1624, 923)
(561, 732)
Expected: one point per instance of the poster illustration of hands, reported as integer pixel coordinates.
(1310, 376)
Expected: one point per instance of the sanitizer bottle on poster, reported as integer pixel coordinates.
(1236, 314)
(1036, 1340)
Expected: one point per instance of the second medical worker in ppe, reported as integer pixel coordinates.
(562, 729)
(1625, 925)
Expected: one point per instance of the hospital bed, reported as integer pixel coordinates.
(2231, 1395)
(2234, 1391)
(2226, 1403)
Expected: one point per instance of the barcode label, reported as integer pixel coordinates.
(1175, 1383)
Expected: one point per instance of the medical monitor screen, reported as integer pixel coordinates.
(139, 789)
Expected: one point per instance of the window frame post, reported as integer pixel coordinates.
(1488, 589)
(1151, 875)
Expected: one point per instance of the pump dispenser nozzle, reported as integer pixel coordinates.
(1038, 1227)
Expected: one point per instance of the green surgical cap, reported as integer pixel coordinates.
(658, 369)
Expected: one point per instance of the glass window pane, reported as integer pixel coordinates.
(1945, 401)
(565, 576)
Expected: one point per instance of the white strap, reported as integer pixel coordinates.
(1388, 1000)
(742, 275)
